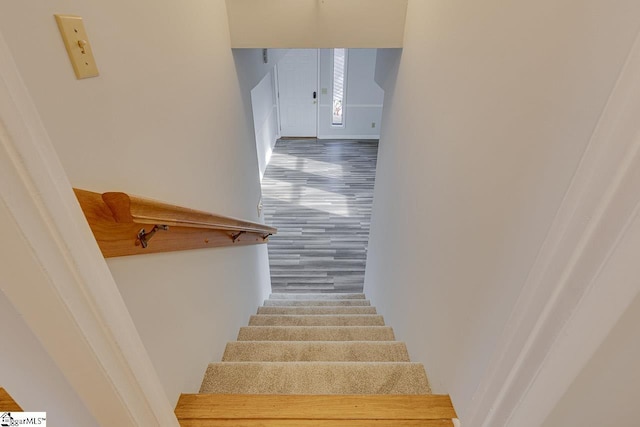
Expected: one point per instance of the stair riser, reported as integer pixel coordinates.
(316, 333)
(315, 351)
(326, 320)
(316, 303)
(315, 378)
(304, 296)
(316, 310)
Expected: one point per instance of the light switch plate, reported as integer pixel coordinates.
(78, 47)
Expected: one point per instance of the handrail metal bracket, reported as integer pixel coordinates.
(234, 237)
(266, 236)
(144, 237)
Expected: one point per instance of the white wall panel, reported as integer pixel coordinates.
(265, 119)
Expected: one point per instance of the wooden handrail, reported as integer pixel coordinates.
(118, 219)
(127, 208)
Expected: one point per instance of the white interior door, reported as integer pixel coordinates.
(298, 96)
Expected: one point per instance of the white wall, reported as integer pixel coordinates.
(257, 88)
(492, 109)
(364, 98)
(251, 68)
(188, 305)
(265, 119)
(387, 62)
(164, 120)
(311, 23)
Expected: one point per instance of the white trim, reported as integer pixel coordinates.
(356, 105)
(529, 371)
(605, 301)
(102, 357)
(349, 137)
(364, 106)
(276, 95)
(456, 422)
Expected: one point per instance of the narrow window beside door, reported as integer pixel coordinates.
(339, 81)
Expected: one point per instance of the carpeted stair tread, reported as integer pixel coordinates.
(316, 333)
(316, 351)
(317, 310)
(316, 378)
(317, 303)
(316, 344)
(316, 320)
(308, 296)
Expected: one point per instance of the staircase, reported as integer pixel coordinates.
(315, 360)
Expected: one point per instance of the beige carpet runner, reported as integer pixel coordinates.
(315, 360)
(316, 344)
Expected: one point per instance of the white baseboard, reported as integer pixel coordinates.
(367, 137)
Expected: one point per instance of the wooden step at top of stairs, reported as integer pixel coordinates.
(7, 404)
(315, 423)
(310, 296)
(317, 310)
(316, 303)
(316, 351)
(239, 410)
(316, 333)
(316, 320)
(315, 378)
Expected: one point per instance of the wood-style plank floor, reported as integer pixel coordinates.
(319, 193)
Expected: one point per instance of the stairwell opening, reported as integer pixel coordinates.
(317, 178)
